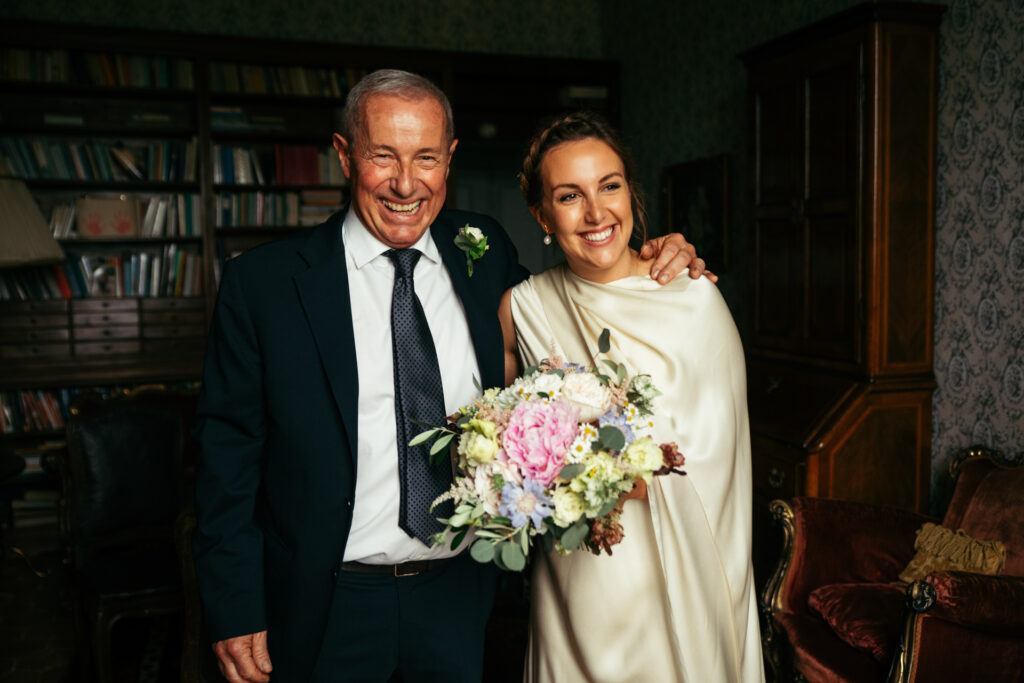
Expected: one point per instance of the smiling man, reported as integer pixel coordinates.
(313, 546)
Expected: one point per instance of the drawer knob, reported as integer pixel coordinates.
(776, 477)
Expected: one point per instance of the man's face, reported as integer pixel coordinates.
(398, 167)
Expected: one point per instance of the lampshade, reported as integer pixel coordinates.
(25, 237)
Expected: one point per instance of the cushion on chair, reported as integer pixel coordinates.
(993, 511)
(821, 656)
(940, 549)
(867, 616)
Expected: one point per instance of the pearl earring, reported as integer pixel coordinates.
(547, 239)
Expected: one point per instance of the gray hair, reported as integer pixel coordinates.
(393, 82)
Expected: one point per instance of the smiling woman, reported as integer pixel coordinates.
(587, 206)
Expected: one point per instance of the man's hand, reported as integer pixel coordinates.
(674, 254)
(244, 659)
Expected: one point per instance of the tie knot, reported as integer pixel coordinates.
(405, 261)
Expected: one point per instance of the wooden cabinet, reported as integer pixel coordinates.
(840, 352)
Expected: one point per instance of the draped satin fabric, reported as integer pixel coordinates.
(675, 602)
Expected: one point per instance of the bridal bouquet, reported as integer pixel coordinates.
(547, 459)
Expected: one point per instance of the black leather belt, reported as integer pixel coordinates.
(402, 569)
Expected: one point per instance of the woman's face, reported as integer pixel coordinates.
(586, 205)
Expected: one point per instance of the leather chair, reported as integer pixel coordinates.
(123, 489)
(834, 612)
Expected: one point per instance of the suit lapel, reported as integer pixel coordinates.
(479, 304)
(323, 290)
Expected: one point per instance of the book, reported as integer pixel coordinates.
(298, 164)
(100, 218)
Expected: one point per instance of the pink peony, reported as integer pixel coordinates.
(538, 436)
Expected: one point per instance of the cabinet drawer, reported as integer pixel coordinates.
(106, 348)
(33, 335)
(173, 304)
(109, 332)
(173, 317)
(21, 351)
(32, 307)
(101, 305)
(776, 477)
(101, 319)
(35, 320)
(174, 331)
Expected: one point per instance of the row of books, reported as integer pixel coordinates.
(165, 272)
(37, 410)
(276, 165)
(42, 410)
(95, 69)
(102, 160)
(125, 216)
(272, 209)
(277, 80)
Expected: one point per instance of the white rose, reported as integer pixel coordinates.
(586, 392)
(474, 234)
(569, 506)
(644, 454)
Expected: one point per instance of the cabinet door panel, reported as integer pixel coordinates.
(777, 141)
(832, 292)
(779, 309)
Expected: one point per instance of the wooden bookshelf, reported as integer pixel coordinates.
(182, 108)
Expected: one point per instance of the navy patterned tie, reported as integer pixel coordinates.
(419, 395)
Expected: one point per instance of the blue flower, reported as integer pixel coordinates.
(610, 418)
(526, 503)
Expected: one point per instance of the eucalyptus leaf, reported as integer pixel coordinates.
(574, 535)
(457, 540)
(603, 343)
(441, 443)
(607, 507)
(482, 551)
(423, 436)
(612, 437)
(530, 370)
(512, 556)
(620, 373)
(571, 471)
(559, 373)
(463, 420)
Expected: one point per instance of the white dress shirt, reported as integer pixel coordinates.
(375, 537)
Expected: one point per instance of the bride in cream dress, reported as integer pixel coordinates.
(675, 602)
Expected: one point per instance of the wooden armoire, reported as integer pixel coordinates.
(840, 348)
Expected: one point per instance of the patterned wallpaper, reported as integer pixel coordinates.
(979, 275)
(529, 27)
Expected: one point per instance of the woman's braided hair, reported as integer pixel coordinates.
(570, 128)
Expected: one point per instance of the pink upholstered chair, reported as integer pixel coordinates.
(833, 611)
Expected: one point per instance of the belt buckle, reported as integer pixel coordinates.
(398, 574)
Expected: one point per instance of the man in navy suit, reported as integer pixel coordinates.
(299, 551)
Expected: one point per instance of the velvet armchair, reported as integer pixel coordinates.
(835, 612)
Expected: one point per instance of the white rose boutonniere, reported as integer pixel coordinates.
(473, 242)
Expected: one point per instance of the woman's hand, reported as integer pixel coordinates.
(638, 492)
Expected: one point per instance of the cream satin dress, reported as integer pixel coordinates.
(675, 602)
